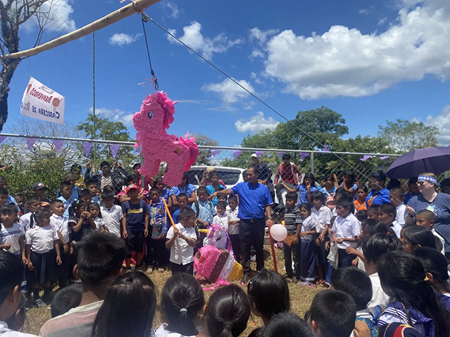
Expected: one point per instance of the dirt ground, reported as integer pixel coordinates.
(301, 298)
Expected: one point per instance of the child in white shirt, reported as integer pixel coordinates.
(323, 214)
(397, 198)
(181, 242)
(111, 214)
(233, 226)
(94, 209)
(307, 246)
(221, 218)
(61, 230)
(32, 205)
(11, 233)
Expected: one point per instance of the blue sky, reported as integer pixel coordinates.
(371, 61)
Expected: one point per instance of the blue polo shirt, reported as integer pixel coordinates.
(252, 200)
(378, 198)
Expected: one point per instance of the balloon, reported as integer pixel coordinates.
(278, 232)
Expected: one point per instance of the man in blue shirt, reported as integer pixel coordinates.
(254, 200)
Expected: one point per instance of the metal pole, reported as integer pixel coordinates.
(141, 157)
(312, 162)
(93, 95)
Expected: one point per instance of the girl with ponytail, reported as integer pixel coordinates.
(181, 300)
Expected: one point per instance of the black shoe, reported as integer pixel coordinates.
(286, 276)
(295, 280)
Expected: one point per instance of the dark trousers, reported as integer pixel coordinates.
(179, 268)
(280, 189)
(236, 244)
(345, 260)
(271, 189)
(64, 269)
(157, 254)
(288, 252)
(307, 260)
(251, 231)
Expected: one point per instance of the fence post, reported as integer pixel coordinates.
(312, 162)
(141, 160)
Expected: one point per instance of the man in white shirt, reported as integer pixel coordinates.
(373, 247)
(11, 272)
(181, 242)
(111, 214)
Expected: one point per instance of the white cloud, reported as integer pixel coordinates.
(121, 39)
(255, 78)
(229, 91)
(115, 115)
(249, 105)
(256, 53)
(345, 62)
(57, 15)
(175, 11)
(382, 21)
(364, 11)
(442, 122)
(256, 123)
(260, 35)
(207, 47)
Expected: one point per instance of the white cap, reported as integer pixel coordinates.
(254, 155)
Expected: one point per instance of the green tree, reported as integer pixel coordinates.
(406, 136)
(202, 140)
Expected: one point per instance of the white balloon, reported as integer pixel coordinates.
(278, 232)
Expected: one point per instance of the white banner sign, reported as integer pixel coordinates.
(42, 103)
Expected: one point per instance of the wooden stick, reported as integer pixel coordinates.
(124, 12)
(273, 251)
(168, 212)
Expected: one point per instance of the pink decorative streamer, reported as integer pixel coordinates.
(236, 154)
(304, 154)
(280, 154)
(30, 143)
(325, 148)
(365, 158)
(385, 157)
(87, 148)
(58, 145)
(259, 153)
(114, 149)
(214, 153)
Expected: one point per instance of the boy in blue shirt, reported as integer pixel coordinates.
(134, 224)
(182, 200)
(67, 196)
(206, 210)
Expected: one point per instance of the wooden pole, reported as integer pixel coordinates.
(275, 267)
(168, 212)
(122, 13)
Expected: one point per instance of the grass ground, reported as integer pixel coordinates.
(301, 298)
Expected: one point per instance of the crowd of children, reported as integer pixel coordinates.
(381, 270)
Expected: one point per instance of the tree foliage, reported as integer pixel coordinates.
(406, 136)
(202, 140)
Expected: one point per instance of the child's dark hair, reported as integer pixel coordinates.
(66, 298)
(131, 178)
(42, 213)
(3, 191)
(334, 313)
(94, 205)
(355, 282)
(292, 196)
(159, 180)
(310, 176)
(228, 312)
(361, 215)
(202, 189)
(109, 188)
(107, 195)
(393, 183)
(342, 194)
(374, 226)
(91, 182)
(11, 274)
(269, 293)
(286, 324)
(222, 204)
(427, 214)
(389, 209)
(182, 195)
(232, 198)
(69, 176)
(364, 188)
(317, 195)
(329, 177)
(20, 195)
(131, 298)
(374, 209)
(76, 205)
(186, 212)
(155, 190)
(181, 300)
(56, 201)
(350, 174)
(344, 203)
(419, 235)
(64, 183)
(3, 180)
(100, 257)
(84, 193)
(403, 278)
(306, 206)
(8, 209)
(379, 175)
(436, 264)
(378, 244)
(398, 191)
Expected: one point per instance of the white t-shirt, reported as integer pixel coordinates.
(396, 228)
(323, 215)
(12, 236)
(5, 332)
(98, 222)
(401, 210)
(181, 253)
(60, 223)
(41, 239)
(25, 220)
(440, 239)
(221, 220)
(347, 228)
(112, 218)
(308, 225)
(379, 297)
(233, 216)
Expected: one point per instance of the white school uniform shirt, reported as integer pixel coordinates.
(221, 220)
(401, 210)
(25, 220)
(60, 223)
(98, 222)
(436, 234)
(308, 225)
(379, 297)
(41, 239)
(323, 215)
(181, 253)
(233, 216)
(396, 228)
(6, 332)
(348, 227)
(112, 218)
(12, 236)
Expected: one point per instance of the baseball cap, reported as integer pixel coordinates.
(254, 155)
(39, 186)
(131, 187)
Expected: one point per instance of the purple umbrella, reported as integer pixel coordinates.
(432, 159)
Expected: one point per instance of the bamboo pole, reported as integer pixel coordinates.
(109, 19)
